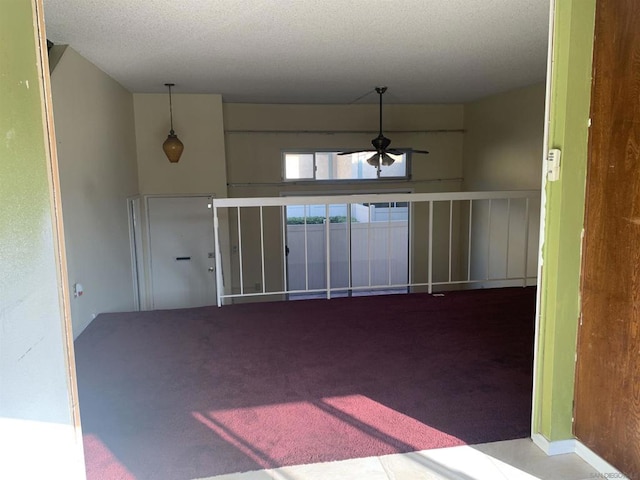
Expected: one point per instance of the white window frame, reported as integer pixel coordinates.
(314, 152)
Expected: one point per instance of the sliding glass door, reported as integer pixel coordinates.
(361, 248)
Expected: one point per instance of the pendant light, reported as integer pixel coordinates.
(172, 146)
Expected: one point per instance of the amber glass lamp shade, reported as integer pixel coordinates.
(173, 147)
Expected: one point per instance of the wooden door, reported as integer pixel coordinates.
(607, 397)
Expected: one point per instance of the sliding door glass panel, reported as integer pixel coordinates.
(312, 237)
(366, 244)
(379, 247)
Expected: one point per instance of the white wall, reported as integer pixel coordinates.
(95, 134)
(503, 151)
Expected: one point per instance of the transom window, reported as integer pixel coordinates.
(328, 165)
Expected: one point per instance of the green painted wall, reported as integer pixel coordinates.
(37, 429)
(560, 281)
(22, 170)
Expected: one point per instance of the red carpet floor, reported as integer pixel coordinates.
(192, 393)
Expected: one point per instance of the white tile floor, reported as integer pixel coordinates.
(509, 460)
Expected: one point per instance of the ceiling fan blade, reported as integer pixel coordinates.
(349, 152)
(394, 151)
(419, 151)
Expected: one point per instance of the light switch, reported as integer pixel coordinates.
(553, 165)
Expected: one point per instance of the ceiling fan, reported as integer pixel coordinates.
(382, 152)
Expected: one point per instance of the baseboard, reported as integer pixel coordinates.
(595, 460)
(559, 447)
(572, 445)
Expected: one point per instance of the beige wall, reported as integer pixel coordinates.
(242, 144)
(95, 135)
(503, 151)
(256, 135)
(503, 141)
(197, 120)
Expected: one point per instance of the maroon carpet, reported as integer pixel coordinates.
(193, 393)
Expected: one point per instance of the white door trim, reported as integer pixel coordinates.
(134, 207)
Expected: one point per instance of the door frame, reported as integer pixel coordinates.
(535, 404)
(134, 210)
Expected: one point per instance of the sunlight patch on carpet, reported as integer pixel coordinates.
(101, 462)
(331, 428)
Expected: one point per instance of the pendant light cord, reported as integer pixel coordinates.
(170, 107)
(380, 92)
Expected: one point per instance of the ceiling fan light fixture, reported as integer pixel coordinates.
(387, 160)
(382, 156)
(172, 146)
(374, 160)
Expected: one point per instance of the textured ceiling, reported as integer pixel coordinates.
(310, 51)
